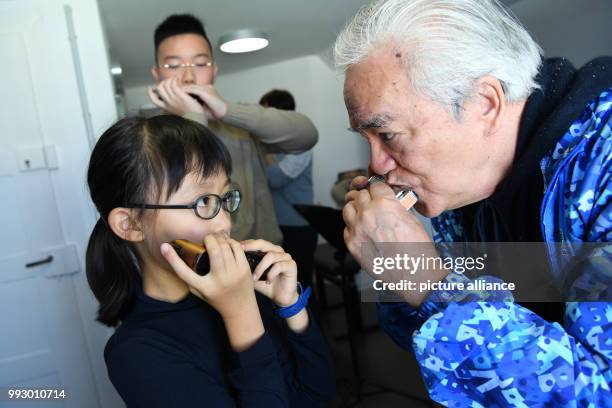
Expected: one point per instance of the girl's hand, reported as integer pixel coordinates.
(281, 281)
(228, 287)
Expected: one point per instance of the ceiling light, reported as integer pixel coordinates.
(116, 71)
(243, 41)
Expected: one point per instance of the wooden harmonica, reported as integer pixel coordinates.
(196, 257)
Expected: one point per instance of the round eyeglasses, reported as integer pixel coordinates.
(205, 207)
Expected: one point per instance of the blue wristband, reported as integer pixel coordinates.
(297, 307)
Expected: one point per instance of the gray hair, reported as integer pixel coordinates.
(446, 45)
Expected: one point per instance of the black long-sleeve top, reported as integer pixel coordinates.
(178, 355)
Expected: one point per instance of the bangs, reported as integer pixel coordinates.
(175, 147)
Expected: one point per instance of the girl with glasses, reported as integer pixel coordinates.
(222, 339)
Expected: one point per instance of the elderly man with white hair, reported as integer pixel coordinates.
(500, 145)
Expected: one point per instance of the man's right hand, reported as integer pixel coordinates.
(174, 99)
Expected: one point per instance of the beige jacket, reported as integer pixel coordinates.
(249, 132)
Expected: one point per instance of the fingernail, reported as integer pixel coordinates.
(164, 248)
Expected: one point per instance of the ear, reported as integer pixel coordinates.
(491, 101)
(155, 72)
(124, 226)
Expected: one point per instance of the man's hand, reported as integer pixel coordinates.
(174, 99)
(374, 216)
(214, 104)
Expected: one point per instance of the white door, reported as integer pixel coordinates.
(42, 341)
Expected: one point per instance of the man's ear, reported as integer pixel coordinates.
(124, 225)
(155, 72)
(491, 100)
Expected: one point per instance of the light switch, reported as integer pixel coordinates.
(31, 158)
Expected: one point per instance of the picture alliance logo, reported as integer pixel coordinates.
(411, 264)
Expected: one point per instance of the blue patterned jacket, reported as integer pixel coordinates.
(498, 354)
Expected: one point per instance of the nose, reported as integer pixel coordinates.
(381, 162)
(187, 76)
(222, 223)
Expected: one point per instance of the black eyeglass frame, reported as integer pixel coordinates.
(220, 200)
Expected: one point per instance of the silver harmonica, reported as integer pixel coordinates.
(406, 197)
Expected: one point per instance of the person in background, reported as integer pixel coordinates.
(290, 181)
(342, 185)
(184, 340)
(500, 145)
(185, 73)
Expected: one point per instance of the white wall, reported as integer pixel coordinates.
(578, 30)
(318, 93)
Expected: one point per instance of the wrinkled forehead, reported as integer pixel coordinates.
(371, 97)
(380, 73)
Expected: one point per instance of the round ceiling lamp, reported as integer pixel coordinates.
(243, 41)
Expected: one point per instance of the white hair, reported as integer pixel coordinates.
(445, 46)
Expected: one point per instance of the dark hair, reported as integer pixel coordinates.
(137, 160)
(178, 24)
(279, 99)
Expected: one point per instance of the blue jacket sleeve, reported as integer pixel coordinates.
(501, 354)
(399, 320)
(498, 353)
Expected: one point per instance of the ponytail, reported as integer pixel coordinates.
(112, 273)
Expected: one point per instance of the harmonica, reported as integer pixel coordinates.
(196, 257)
(406, 197)
(194, 96)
